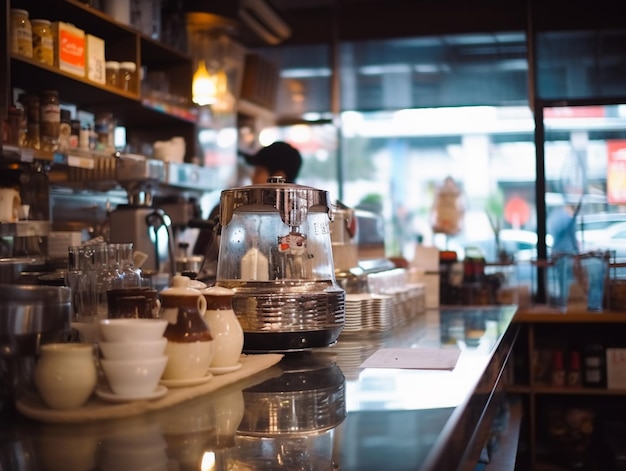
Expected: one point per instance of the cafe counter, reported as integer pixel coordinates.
(314, 410)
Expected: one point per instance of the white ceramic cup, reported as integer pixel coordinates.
(135, 350)
(134, 377)
(10, 203)
(125, 330)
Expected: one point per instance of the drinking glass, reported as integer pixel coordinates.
(84, 265)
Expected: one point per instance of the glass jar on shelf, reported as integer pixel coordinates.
(112, 73)
(127, 76)
(43, 41)
(21, 33)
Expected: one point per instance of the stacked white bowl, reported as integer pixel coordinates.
(133, 358)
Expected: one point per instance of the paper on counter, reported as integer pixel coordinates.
(413, 358)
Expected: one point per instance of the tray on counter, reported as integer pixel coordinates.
(32, 406)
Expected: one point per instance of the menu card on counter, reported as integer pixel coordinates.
(413, 358)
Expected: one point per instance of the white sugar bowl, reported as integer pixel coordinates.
(66, 374)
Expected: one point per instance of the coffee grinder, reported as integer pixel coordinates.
(139, 222)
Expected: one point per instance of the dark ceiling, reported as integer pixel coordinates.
(314, 21)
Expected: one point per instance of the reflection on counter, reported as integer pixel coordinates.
(289, 422)
(282, 418)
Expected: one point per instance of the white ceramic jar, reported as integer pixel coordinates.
(224, 326)
(65, 374)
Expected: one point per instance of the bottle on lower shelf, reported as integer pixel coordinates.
(594, 366)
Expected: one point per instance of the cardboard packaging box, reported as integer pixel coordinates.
(425, 268)
(59, 241)
(69, 48)
(94, 50)
(616, 368)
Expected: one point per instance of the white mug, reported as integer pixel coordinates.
(10, 203)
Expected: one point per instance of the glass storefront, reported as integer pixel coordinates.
(416, 111)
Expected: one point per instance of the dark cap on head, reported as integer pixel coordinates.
(276, 157)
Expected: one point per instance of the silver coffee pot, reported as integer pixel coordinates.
(275, 253)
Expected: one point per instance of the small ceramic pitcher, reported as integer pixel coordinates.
(225, 328)
(189, 341)
(66, 374)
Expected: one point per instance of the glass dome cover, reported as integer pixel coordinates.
(275, 231)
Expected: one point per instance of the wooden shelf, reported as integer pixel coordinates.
(549, 390)
(127, 107)
(548, 314)
(545, 326)
(146, 118)
(517, 389)
(74, 88)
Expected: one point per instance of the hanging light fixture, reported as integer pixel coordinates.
(210, 27)
(203, 88)
(208, 39)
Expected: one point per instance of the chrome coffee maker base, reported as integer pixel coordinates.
(276, 317)
(285, 342)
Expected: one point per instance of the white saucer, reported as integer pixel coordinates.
(222, 370)
(181, 383)
(108, 395)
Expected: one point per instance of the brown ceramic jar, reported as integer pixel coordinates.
(189, 341)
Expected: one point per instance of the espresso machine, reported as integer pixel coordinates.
(139, 222)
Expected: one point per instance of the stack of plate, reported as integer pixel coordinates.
(378, 312)
(368, 312)
(354, 309)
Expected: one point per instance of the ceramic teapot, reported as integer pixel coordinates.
(189, 340)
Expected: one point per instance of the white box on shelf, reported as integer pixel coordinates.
(616, 368)
(95, 69)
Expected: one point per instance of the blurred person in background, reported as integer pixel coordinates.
(279, 159)
(561, 225)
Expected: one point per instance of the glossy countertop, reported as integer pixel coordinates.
(315, 410)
